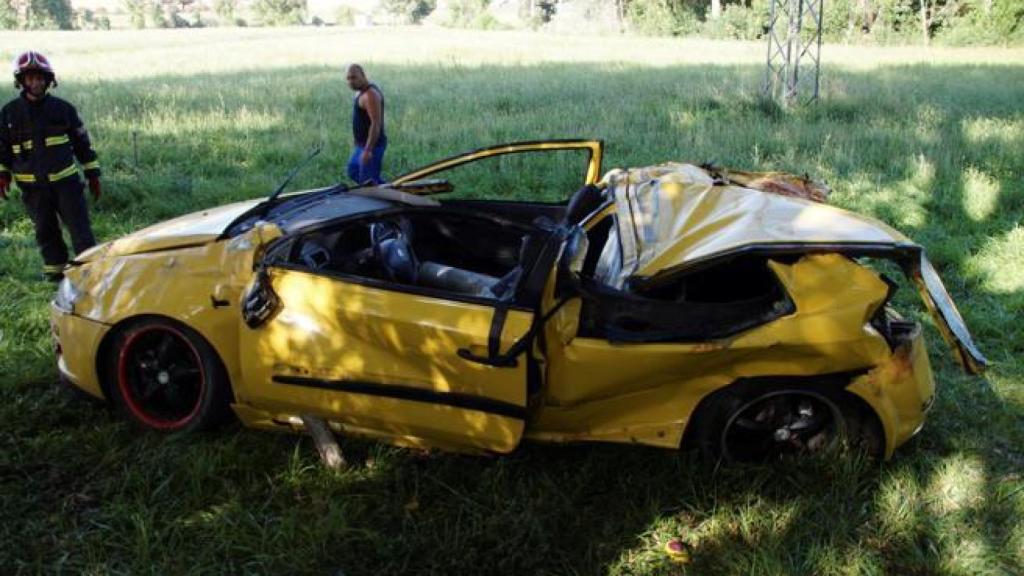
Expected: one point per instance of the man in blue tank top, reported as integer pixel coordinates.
(367, 128)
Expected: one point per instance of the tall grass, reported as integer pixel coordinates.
(929, 141)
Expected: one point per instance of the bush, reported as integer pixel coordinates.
(89, 20)
(8, 16)
(409, 11)
(837, 23)
(472, 14)
(464, 12)
(740, 22)
(50, 14)
(225, 9)
(154, 15)
(895, 22)
(136, 10)
(1000, 21)
(662, 18)
(345, 16)
(280, 12)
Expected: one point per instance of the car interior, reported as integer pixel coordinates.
(724, 298)
(455, 252)
(456, 247)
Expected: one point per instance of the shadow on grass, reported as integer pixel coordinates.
(933, 151)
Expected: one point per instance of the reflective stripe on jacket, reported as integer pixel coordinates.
(40, 141)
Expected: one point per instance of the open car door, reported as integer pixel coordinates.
(417, 181)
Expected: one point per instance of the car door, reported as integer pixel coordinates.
(385, 361)
(561, 153)
(414, 366)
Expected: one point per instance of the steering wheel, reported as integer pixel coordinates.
(393, 250)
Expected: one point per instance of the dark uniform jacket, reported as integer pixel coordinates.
(39, 141)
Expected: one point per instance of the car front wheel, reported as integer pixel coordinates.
(167, 377)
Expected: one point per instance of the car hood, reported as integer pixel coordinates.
(189, 230)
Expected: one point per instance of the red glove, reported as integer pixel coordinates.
(94, 187)
(5, 185)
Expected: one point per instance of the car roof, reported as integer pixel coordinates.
(673, 215)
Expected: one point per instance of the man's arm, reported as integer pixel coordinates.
(6, 158)
(82, 146)
(372, 106)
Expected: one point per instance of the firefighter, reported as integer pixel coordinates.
(41, 136)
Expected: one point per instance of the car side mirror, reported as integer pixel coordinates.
(260, 302)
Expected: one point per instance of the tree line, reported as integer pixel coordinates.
(884, 21)
(955, 22)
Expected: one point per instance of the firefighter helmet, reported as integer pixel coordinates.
(32, 61)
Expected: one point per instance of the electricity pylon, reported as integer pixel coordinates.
(794, 51)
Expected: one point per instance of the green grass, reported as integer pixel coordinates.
(929, 141)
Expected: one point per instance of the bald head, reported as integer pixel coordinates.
(356, 77)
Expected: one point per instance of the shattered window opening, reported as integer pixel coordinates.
(730, 297)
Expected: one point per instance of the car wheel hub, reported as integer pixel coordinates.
(161, 377)
(781, 424)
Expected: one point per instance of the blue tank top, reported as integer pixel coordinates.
(361, 119)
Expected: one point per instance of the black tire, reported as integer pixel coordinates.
(759, 424)
(165, 376)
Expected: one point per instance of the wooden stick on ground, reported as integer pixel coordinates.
(326, 443)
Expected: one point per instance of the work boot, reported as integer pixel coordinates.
(53, 272)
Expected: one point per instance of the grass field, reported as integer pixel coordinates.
(931, 142)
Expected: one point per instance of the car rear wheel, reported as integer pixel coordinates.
(784, 423)
(166, 377)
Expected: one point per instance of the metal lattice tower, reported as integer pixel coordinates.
(794, 51)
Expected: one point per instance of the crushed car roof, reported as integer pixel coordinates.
(673, 215)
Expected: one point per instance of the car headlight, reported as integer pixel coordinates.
(67, 295)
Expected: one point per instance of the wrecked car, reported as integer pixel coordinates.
(674, 305)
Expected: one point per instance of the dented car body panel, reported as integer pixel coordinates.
(614, 327)
(676, 216)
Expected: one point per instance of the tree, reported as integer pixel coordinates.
(409, 11)
(155, 14)
(280, 12)
(1008, 18)
(8, 15)
(934, 14)
(225, 9)
(136, 10)
(50, 14)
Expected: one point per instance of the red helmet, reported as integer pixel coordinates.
(32, 61)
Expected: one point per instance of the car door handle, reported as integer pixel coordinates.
(499, 361)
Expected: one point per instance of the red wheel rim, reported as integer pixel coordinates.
(161, 377)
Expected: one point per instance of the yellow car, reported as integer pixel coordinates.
(674, 305)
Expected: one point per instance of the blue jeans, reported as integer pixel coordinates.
(361, 173)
